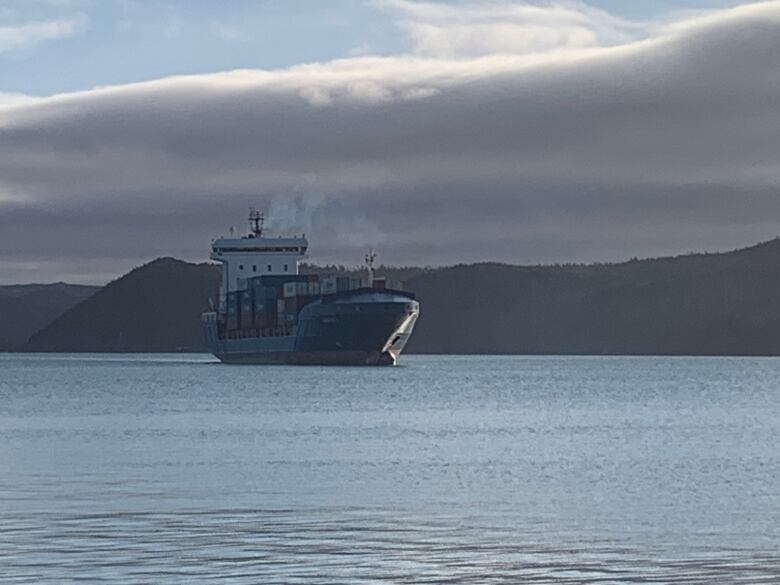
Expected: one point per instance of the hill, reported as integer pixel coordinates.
(24, 309)
(155, 307)
(696, 304)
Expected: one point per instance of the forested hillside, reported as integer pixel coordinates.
(699, 304)
(24, 309)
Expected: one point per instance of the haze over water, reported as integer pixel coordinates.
(126, 469)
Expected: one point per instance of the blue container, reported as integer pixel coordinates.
(278, 280)
(246, 309)
(246, 301)
(232, 303)
(263, 291)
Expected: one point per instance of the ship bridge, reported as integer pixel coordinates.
(256, 255)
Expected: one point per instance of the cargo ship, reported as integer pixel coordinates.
(269, 313)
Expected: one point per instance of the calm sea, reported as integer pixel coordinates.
(158, 469)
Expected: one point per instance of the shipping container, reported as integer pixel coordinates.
(246, 302)
(278, 280)
(232, 303)
(245, 309)
(265, 292)
(260, 320)
(265, 321)
(298, 289)
(328, 285)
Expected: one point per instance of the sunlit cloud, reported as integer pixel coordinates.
(30, 34)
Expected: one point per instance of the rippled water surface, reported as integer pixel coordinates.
(157, 469)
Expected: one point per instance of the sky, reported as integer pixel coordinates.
(437, 132)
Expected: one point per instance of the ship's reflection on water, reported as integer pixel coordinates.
(158, 469)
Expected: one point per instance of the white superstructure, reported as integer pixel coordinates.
(256, 255)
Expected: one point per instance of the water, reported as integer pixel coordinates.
(158, 469)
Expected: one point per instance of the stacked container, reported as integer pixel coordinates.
(232, 301)
(260, 303)
(270, 304)
(246, 319)
(328, 285)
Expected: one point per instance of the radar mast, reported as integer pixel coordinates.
(256, 222)
(370, 257)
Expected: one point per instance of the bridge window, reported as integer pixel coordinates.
(254, 267)
(285, 267)
(269, 268)
(240, 266)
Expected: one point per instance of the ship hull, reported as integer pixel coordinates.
(314, 358)
(363, 327)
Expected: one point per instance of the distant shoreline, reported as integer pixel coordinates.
(709, 304)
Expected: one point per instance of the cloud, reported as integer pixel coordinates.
(662, 144)
(483, 28)
(8, 99)
(30, 34)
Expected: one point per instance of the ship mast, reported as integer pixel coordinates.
(370, 257)
(256, 221)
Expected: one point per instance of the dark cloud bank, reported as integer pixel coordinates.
(661, 145)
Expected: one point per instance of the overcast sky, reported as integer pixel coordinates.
(436, 132)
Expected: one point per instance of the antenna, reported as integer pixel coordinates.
(370, 257)
(256, 221)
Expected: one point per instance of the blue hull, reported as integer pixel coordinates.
(361, 327)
